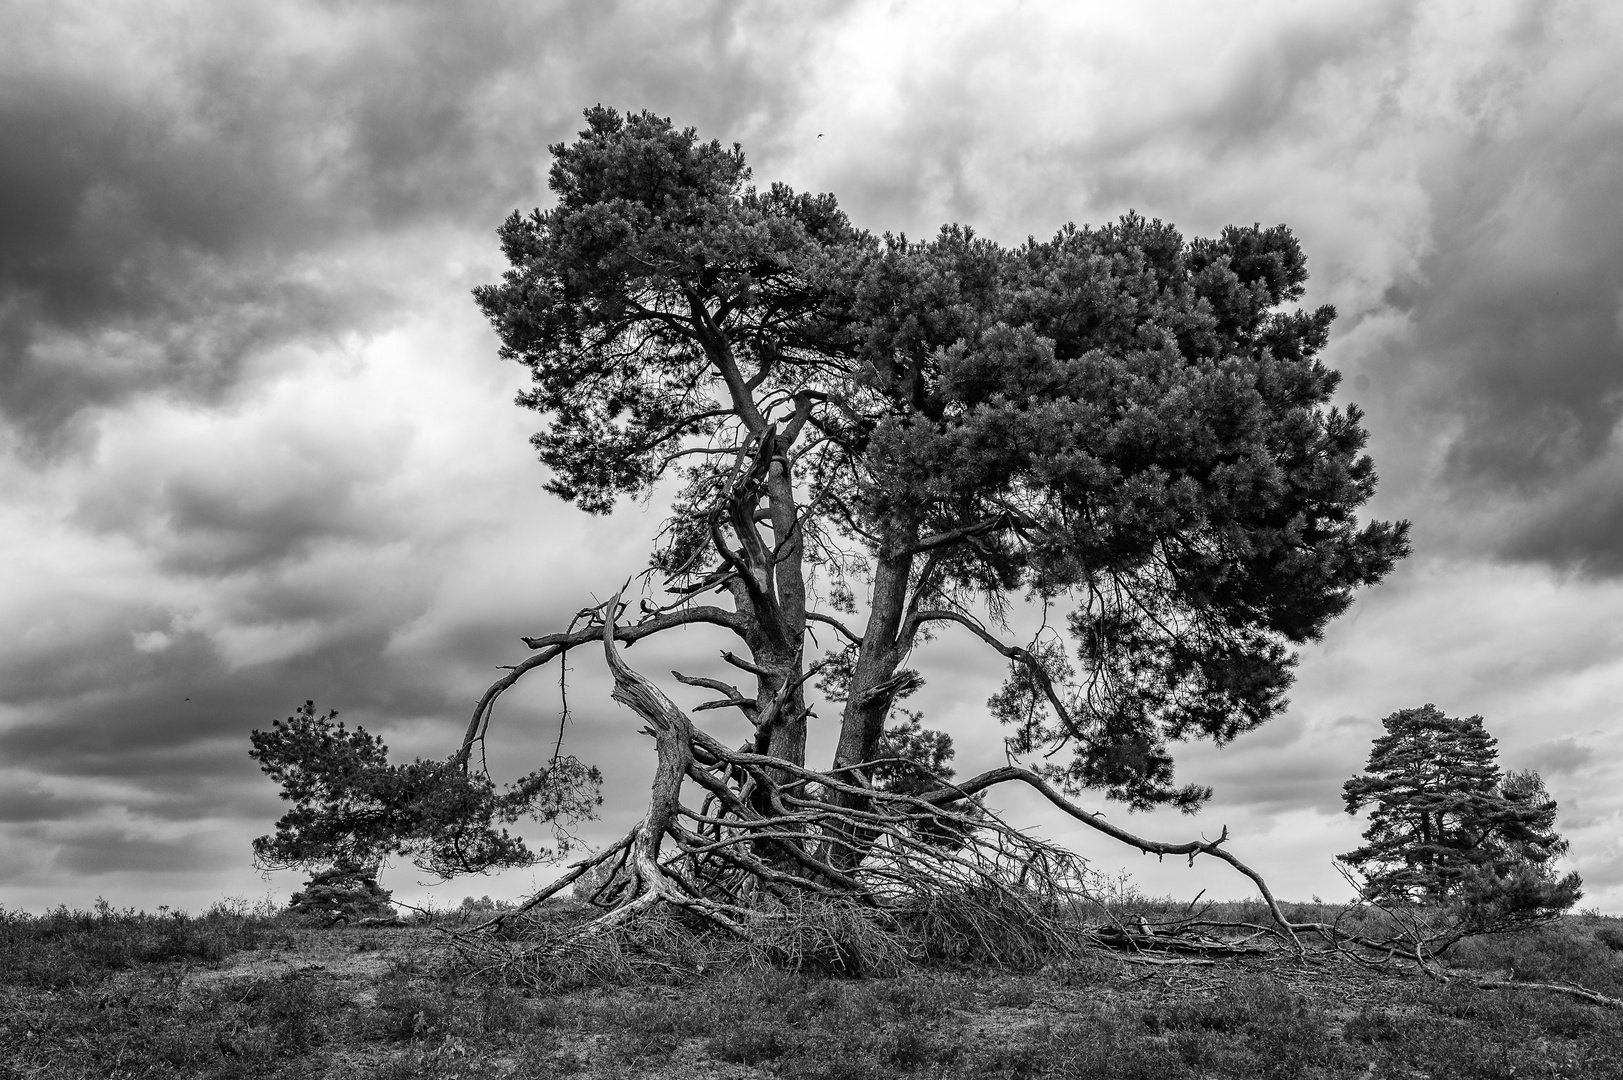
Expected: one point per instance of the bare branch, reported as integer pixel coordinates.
(554, 645)
(709, 684)
(1191, 848)
(955, 536)
(732, 698)
(1015, 653)
(845, 631)
(746, 665)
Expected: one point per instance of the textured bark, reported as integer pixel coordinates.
(869, 701)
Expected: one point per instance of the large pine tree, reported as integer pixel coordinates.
(874, 441)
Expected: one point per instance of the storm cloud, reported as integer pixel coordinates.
(180, 193)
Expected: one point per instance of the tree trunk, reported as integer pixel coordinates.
(870, 695)
(784, 626)
(786, 738)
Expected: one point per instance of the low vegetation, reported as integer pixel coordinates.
(251, 993)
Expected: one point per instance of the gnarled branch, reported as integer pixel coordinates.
(553, 646)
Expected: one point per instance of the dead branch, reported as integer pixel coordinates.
(1189, 848)
(553, 646)
(1112, 938)
(1163, 961)
(1577, 992)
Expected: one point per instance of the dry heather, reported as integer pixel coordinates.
(237, 994)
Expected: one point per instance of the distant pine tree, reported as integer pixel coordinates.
(343, 893)
(1446, 827)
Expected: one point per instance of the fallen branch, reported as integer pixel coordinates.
(1167, 961)
(1577, 992)
(1189, 848)
(1111, 938)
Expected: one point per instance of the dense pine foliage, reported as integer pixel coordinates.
(1446, 826)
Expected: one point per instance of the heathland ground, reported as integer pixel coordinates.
(237, 992)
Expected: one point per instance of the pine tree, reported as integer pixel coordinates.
(1448, 827)
(1130, 426)
(343, 892)
(353, 809)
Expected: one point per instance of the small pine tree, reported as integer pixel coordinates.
(343, 893)
(1446, 827)
(353, 809)
(912, 759)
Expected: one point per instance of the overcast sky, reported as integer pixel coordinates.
(256, 446)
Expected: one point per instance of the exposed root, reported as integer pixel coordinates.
(794, 866)
(784, 865)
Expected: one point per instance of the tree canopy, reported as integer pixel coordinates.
(1128, 426)
(1447, 826)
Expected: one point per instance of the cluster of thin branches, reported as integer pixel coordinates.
(771, 858)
